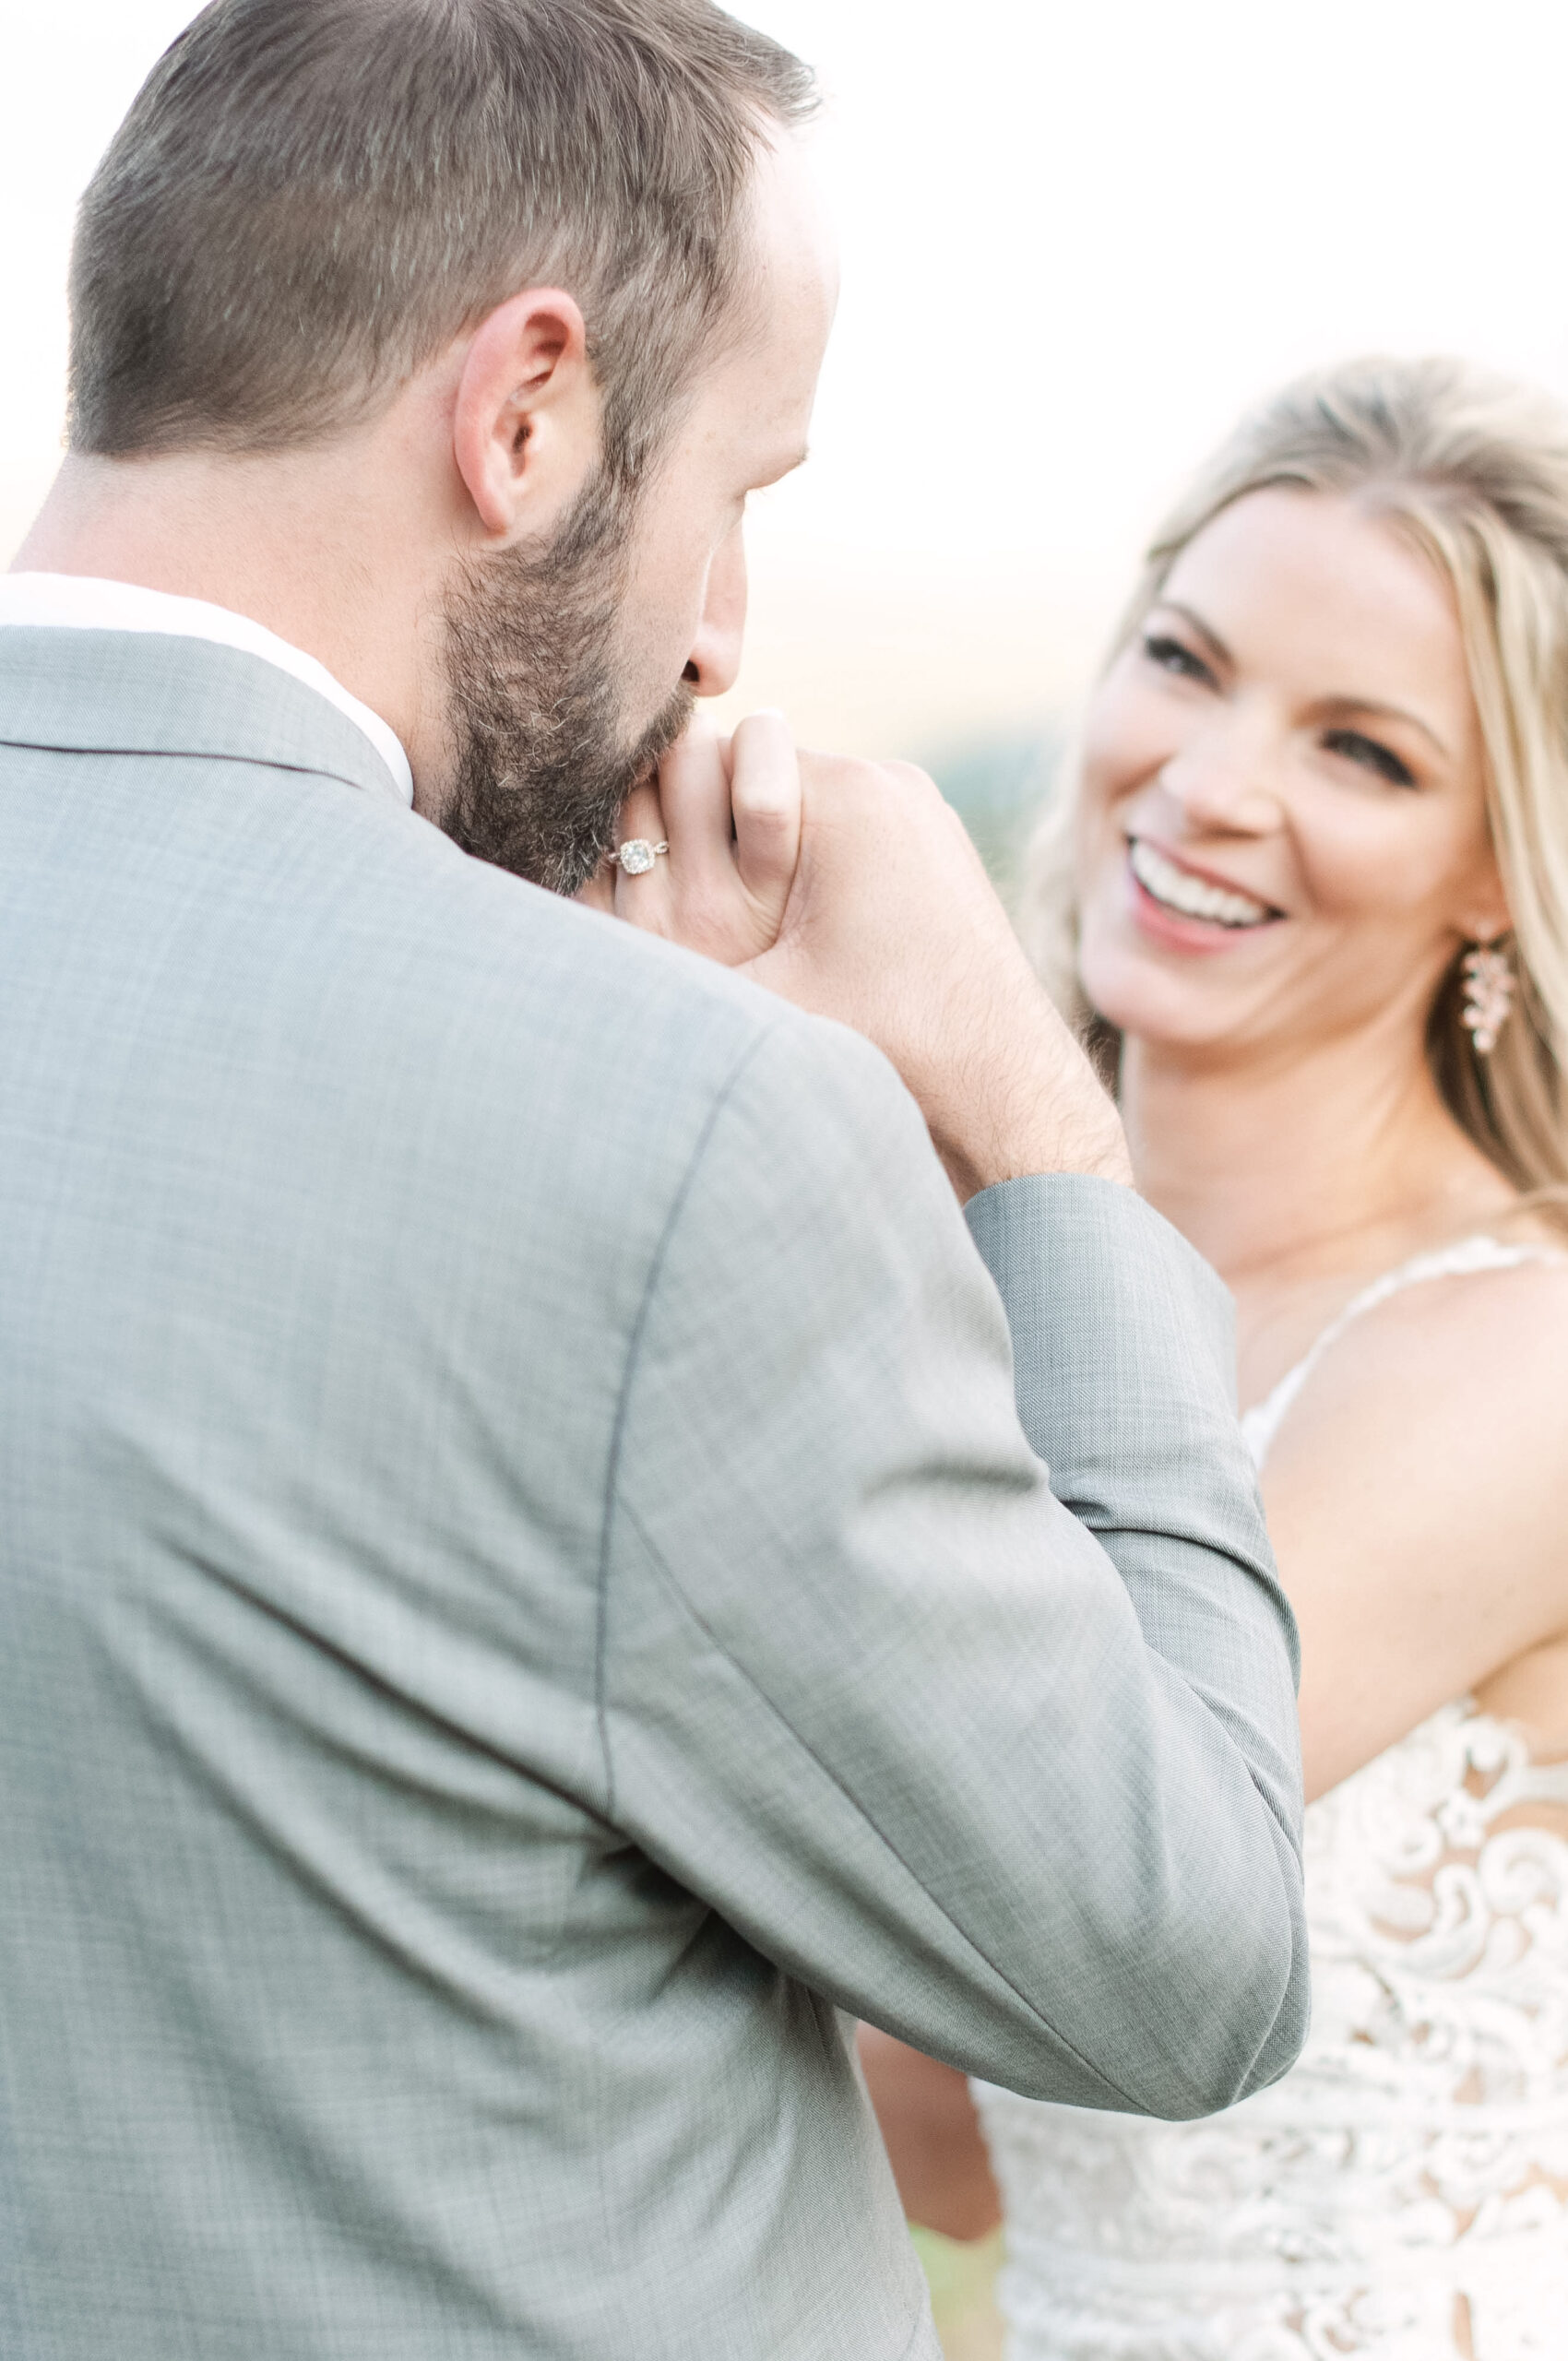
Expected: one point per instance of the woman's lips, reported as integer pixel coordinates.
(1186, 892)
(1200, 915)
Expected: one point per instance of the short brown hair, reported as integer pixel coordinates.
(309, 198)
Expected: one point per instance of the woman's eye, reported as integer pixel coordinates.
(1370, 755)
(1171, 655)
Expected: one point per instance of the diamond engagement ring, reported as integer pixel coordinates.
(637, 856)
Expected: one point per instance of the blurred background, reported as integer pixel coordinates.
(1077, 239)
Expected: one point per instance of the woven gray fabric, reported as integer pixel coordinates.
(524, 1593)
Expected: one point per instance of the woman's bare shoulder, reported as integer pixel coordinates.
(1514, 1315)
(1431, 1444)
(1474, 1366)
(1418, 1495)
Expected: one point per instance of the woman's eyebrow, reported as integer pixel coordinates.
(1371, 706)
(1206, 632)
(1374, 708)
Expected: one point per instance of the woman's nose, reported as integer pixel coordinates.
(1222, 787)
(714, 664)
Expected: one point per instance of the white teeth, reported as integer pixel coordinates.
(1194, 896)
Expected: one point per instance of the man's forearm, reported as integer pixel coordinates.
(1122, 1340)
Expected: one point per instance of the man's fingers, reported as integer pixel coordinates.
(765, 796)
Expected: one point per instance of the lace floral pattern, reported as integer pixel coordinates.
(1402, 2193)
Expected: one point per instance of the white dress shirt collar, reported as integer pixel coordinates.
(82, 602)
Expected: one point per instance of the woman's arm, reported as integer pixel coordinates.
(933, 2136)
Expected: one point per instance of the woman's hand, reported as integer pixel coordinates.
(730, 810)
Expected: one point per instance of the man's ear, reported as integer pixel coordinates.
(526, 426)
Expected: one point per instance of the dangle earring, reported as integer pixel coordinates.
(1489, 984)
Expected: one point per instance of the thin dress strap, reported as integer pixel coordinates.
(1262, 1422)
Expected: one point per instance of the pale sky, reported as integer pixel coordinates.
(1076, 240)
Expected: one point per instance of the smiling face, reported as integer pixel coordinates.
(1282, 834)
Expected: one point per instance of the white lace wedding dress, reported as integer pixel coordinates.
(1403, 2193)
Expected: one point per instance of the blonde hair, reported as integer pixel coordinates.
(1473, 471)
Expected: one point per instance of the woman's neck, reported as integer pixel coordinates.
(1322, 1160)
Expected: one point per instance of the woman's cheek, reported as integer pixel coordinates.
(1371, 863)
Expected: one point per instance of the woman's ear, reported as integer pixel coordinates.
(1484, 913)
(527, 422)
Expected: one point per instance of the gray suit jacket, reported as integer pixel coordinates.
(524, 1593)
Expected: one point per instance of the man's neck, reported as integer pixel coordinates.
(1286, 1166)
(288, 540)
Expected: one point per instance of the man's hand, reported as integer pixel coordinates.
(893, 927)
(852, 889)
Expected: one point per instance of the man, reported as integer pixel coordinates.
(524, 1589)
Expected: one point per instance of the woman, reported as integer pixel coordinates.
(1313, 885)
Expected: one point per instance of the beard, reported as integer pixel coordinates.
(545, 756)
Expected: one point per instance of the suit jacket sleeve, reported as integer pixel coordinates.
(984, 1729)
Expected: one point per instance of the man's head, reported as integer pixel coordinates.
(554, 263)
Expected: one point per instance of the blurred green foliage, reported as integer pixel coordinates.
(998, 788)
(962, 2280)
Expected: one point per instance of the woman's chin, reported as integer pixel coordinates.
(1144, 999)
